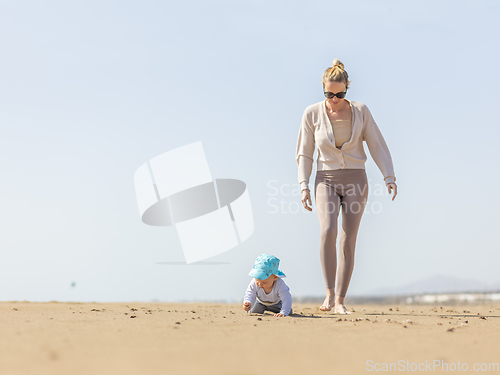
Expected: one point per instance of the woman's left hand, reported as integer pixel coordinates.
(390, 186)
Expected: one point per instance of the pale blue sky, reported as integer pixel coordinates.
(90, 90)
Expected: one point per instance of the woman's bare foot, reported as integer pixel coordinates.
(327, 306)
(339, 306)
(341, 309)
(328, 303)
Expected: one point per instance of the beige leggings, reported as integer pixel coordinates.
(346, 188)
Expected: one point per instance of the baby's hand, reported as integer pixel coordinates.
(279, 314)
(246, 306)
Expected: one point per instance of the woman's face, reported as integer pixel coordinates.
(335, 87)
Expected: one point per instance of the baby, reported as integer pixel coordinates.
(267, 291)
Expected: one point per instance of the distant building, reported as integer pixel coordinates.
(417, 299)
(473, 298)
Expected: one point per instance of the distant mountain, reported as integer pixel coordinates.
(437, 284)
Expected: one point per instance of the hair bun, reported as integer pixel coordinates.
(336, 73)
(338, 63)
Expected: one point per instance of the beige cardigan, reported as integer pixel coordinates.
(317, 129)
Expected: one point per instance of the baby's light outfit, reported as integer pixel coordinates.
(278, 301)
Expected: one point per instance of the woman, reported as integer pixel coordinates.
(339, 126)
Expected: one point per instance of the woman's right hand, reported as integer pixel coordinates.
(306, 197)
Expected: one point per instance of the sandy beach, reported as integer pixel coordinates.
(207, 338)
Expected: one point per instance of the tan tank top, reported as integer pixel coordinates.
(342, 131)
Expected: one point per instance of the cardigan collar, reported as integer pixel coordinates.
(350, 105)
(329, 128)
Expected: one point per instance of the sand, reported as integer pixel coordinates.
(206, 338)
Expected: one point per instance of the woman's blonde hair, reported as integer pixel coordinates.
(336, 73)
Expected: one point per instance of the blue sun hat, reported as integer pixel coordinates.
(266, 265)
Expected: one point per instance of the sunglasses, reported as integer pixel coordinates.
(331, 95)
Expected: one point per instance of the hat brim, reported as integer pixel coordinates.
(261, 275)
